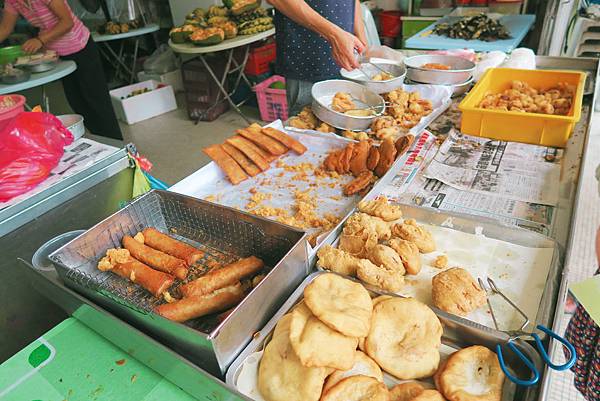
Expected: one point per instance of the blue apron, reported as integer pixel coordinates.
(303, 54)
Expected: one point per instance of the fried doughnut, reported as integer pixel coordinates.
(405, 338)
(472, 374)
(456, 291)
(281, 375)
(317, 345)
(380, 207)
(337, 260)
(387, 155)
(409, 253)
(411, 231)
(358, 163)
(171, 246)
(357, 388)
(406, 391)
(363, 365)
(340, 303)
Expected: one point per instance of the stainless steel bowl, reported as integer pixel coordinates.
(397, 70)
(323, 93)
(43, 66)
(40, 258)
(457, 90)
(461, 69)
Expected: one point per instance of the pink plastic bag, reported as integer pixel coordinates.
(468, 54)
(31, 145)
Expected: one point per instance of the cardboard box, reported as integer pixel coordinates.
(160, 100)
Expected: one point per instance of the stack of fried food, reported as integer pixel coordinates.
(251, 151)
(380, 249)
(366, 161)
(520, 96)
(336, 344)
(156, 261)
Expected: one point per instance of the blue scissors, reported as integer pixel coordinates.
(523, 334)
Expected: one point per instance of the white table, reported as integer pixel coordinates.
(62, 69)
(112, 57)
(232, 65)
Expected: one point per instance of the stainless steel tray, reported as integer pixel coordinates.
(224, 234)
(458, 333)
(491, 229)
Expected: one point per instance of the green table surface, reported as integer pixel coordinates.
(71, 362)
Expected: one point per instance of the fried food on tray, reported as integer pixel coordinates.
(337, 260)
(360, 112)
(229, 166)
(406, 391)
(456, 291)
(357, 388)
(264, 142)
(342, 102)
(405, 338)
(305, 119)
(436, 66)
(357, 136)
(403, 144)
(380, 207)
(120, 262)
(317, 345)
(382, 122)
(196, 306)
(387, 155)
(358, 244)
(345, 158)
(429, 395)
(249, 167)
(411, 231)
(284, 138)
(522, 97)
(373, 158)
(281, 375)
(407, 108)
(325, 128)
(250, 150)
(363, 365)
(380, 276)
(383, 255)
(171, 246)
(156, 259)
(361, 222)
(382, 76)
(440, 262)
(340, 303)
(362, 181)
(358, 161)
(409, 253)
(471, 374)
(222, 277)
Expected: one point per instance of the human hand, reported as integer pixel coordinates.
(343, 45)
(32, 45)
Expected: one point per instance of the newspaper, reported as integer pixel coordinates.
(411, 187)
(77, 157)
(516, 171)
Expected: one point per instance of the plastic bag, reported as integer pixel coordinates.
(31, 145)
(383, 52)
(521, 58)
(161, 61)
(488, 60)
(370, 26)
(467, 54)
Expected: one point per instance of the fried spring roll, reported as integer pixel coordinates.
(285, 139)
(263, 141)
(197, 306)
(121, 263)
(156, 259)
(222, 277)
(232, 170)
(169, 245)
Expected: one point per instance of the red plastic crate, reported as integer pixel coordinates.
(260, 58)
(272, 103)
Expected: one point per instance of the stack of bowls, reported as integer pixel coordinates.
(458, 78)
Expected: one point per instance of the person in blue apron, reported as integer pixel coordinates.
(315, 38)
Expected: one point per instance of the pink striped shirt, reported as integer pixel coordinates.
(39, 14)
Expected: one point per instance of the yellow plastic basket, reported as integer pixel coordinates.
(539, 129)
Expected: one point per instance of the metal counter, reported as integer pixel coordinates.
(78, 202)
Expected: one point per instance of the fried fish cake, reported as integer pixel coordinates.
(357, 388)
(406, 391)
(383, 255)
(380, 276)
(281, 375)
(456, 291)
(363, 365)
(411, 231)
(337, 260)
(380, 207)
(340, 303)
(409, 253)
(317, 345)
(472, 374)
(405, 338)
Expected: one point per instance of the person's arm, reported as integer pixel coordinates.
(342, 43)
(7, 25)
(359, 24)
(64, 25)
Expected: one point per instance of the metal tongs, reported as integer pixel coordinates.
(523, 334)
(365, 60)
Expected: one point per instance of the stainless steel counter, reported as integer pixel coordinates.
(78, 203)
